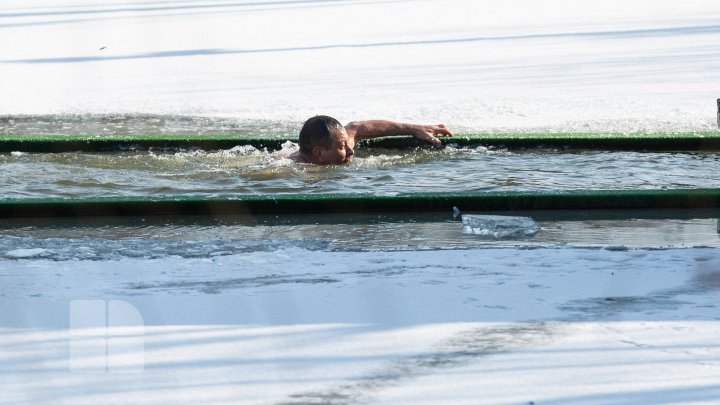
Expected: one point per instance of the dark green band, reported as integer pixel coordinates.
(687, 141)
(363, 203)
(676, 142)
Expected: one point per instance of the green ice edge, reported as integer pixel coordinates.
(667, 141)
(363, 203)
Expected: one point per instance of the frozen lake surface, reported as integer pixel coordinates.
(323, 326)
(555, 65)
(345, 310)
(339, 311)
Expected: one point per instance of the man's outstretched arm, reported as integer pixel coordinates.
(358, 130)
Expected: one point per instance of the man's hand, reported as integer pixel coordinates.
(430, 133)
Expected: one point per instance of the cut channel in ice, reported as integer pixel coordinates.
(499, 226)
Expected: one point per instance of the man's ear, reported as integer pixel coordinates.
(317, 157)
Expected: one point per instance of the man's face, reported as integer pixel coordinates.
(339, 152)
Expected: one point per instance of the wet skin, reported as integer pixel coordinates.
(343, 141)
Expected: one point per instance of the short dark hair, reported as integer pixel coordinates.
(318, 131)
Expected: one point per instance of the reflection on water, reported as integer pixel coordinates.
(247, 170)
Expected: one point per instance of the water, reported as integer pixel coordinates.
(246, 170)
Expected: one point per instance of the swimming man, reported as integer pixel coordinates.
(324, 141)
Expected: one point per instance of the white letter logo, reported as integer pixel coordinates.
(106, 338)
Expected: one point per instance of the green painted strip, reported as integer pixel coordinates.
(111, 143)
(363, 203)
(596, 141)
(685, 141)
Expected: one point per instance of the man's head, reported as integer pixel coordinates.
(324, 141)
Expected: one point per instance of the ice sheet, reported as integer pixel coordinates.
(302, 326)
(298, 326)
(475, 65)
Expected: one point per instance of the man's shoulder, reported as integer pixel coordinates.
(298, 157)
(352, 127)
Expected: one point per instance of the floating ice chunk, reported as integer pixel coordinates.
(24, 253)
(499, 226)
